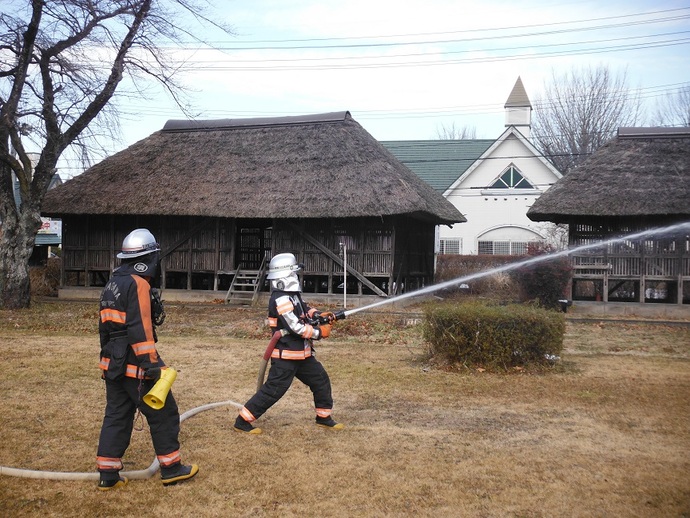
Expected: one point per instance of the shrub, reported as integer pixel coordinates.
(45, 280)
(493, 336)
(546, 281)
(497, 285)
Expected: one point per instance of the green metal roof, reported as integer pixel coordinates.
(438, 162)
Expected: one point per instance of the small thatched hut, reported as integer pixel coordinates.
(636, 182)
(222, 196)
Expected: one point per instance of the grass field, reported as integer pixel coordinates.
(606, 432)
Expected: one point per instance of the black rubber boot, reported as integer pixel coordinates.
(328, 422)
(244, 426)
(110, 481)
(178, 473)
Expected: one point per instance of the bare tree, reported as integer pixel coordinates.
(674, 109)
(455, 133)
(579, 112)
(61, 62)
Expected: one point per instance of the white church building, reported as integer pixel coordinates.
(492, 183)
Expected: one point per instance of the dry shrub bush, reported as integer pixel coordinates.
(493, 336)
(497, 285)
(45, 280)
(546, 281)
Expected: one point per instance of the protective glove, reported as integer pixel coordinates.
(327, 316)
(153, 373)
(324, 330)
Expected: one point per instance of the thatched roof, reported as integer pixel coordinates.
(319, 166)
(643, 172)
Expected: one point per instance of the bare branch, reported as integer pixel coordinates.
(61, 64)
(455, 133)
(581, 111)
(102, 98)
(674, 109)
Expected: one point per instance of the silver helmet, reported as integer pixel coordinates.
(282, 265)
(137, 243)
(282, 272)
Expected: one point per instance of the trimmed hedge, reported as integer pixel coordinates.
(492, 336)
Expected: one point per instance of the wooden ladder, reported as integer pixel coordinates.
(246, 285)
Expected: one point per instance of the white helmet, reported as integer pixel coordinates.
(282, 272)
(137, 243)
(282, 265)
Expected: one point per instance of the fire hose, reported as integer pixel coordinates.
(153, 468)
(132, 475)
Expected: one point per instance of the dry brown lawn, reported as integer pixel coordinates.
(604, 433)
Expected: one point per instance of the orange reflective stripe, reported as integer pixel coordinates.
(108, 463)
(144, 348)
(170, 458)
(272, 322)
(287, 354)
(324, 412)
(113, 315)
(132, 371)
(144, 296)
(285, 307)
(247, 415)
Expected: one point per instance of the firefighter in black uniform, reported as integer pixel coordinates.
(130, 364)
(293, 356)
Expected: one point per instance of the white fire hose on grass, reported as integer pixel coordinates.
(132, 475)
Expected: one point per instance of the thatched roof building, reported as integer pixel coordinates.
(639, 181)
(320, 166)
(300, 184)
(644, 172)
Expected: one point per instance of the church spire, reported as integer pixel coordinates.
(519, 109)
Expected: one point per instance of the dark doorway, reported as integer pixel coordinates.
(253, 243)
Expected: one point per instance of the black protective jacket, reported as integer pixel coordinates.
(287, 311)
(126, 327)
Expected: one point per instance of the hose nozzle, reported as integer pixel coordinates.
(332, 317)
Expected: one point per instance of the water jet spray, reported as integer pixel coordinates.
(672, 229)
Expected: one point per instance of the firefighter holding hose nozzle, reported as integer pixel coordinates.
(295, 326)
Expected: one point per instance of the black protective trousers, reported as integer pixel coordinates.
(122, 398)
(309, 371)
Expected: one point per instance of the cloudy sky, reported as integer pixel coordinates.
(407, 69)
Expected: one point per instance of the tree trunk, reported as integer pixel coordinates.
(16, 244)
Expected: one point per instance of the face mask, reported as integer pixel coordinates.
(289, 283)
